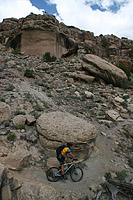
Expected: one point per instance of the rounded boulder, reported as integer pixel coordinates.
(56, 128)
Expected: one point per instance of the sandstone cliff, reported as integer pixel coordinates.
(37, 34)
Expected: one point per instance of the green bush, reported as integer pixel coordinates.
(38, 108)
(101, 113)
(124, 104)
(107, 175)
(126, 97)
(21, 126)
(11, 136)
(127, 134)
(16, 51)
(6, 123)
(130, 162)
(125, 69)
(48, 58)
(121, 175)
(35, 114)
(131, 148)
(10, 88)
(87, 49)
(29, 73)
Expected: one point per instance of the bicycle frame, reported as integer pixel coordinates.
(65, 171)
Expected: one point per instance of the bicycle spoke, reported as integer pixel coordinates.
(76, 174)
(52, 174)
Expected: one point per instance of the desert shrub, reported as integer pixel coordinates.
(122, 146)
(10, 88)
(87, 49)
(16, 51)
(11, 136)
(48, 58)
(121, 175)
(125, 69)
(113, 92)
(6, 123)
(35, 114)
(107, 175)
(21, 126)
(131, 148)
(126, 97)
(29, 73)
(124, 104)
(127, 134)
(130, 162)
(38, 108)
(101, 113)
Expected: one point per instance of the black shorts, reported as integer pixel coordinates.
(61, 160)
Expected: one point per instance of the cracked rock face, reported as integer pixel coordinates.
(56, 128)
(105, 70)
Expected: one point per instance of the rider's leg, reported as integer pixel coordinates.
(62, 169)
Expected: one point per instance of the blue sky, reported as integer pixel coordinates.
(42, 4)
(97, 16)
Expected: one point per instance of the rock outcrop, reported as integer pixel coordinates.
(105, 70)
(56, 128)
(37, 34)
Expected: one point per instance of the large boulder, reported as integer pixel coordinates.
(56, 128)
(41, 191)
(19, 120)
(17, 160)
(5, 112)
(3, 173)
(5, 191)
(101, 68)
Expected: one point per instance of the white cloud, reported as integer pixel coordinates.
(16, 8)
(78, 13)
(106, 3)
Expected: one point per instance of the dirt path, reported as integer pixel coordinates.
(102, 160)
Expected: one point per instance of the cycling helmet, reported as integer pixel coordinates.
(69, 144)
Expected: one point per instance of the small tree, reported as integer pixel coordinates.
(48, 58)
(29, 73)
(11, 137)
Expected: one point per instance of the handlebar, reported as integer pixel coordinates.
(74, 159)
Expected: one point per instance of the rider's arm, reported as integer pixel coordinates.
(72, 155)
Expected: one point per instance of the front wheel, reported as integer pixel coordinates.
(52, 174)
(76, 174)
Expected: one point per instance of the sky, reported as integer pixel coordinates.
(97, 16)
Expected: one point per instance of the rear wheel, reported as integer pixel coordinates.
(76, 174)
(52, 174)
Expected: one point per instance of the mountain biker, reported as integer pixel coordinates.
(66, 151)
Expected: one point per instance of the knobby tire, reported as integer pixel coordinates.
(50, 174)
(76, 174)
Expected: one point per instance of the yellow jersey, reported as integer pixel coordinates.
(65, 151)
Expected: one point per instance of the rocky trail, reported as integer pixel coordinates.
(25, 100)
(94, 170)
(102, 160)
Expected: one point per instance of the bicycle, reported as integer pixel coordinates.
(76, 173)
